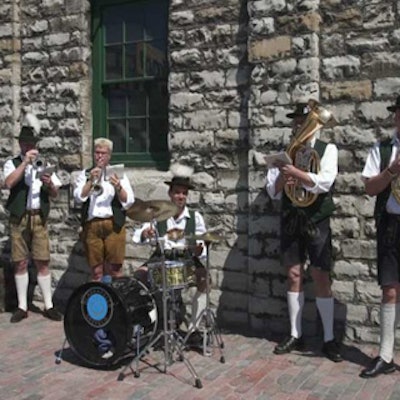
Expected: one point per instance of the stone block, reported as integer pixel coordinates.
(269, 49)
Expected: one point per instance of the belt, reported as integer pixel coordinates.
(32, 212)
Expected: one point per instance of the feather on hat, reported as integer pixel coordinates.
(181, 175)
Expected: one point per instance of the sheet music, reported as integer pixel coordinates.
(117, 169)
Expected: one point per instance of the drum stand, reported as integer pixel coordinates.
(173, 342)
(211, 333)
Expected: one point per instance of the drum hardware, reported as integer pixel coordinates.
(153, 210)
(211, 333)
(173, 342)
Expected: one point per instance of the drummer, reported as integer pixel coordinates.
(174, 231)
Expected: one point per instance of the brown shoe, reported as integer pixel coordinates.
(19, 315)
(52, 314)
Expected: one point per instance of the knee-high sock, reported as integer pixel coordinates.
(44, 282)
(388, 316)
(199, 303)
(295, 305)
(21, 284)
(397, 319)
(325, 307)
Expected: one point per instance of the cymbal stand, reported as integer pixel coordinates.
(172, 340)
(211, 333)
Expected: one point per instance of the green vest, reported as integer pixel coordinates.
(190, 227)
(16, 203)
(385, 151)
(119, 214)
(323, 207)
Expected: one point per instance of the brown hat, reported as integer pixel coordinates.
(301, 110)
(180, 181)
(394, 107)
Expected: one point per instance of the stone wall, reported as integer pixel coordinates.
(236, 68)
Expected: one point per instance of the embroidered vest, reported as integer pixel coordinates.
(16, 203)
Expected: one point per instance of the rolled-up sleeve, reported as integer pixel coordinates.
(325, 178)
(79, 184)
(372, 164)
(272, 176)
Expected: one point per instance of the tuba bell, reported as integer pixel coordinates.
(303, 156)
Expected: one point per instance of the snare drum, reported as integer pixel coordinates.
(179, 274)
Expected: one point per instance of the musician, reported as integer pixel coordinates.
(306, 232)
(103, 213)
(380, 175)
(29, 206)
(173, 232)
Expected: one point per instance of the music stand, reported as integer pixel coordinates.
(173, 342)
(211, 333)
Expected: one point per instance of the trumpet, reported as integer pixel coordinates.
(39, 163)
(97, 188)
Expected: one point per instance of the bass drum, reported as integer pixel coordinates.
(104, 323)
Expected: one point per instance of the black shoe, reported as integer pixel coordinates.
(19, 315)
(33, 308)
(289, 344)
(378, 366)
(331, 351)
(195, 339)
(52, 314)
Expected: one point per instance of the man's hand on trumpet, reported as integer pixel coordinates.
(95, 174)
(30, 156)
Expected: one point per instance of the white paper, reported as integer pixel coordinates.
(272, 159)
(117, 169)
(47, 171)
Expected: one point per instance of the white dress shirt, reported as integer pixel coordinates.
(372, 168)
(32, 181)
(100, 205)
(323, 181)
(178, 223)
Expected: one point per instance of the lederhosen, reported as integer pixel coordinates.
(388, 228)
(302, 225)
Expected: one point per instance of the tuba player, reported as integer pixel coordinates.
(305, 231)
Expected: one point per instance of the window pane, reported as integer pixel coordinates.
(114, 62)
(158, 135)
(134, 60)
(156, 20)
(156, 60)
(117, 133)
(137, 100)
(113, 24)
(158, 99)
(137, 135)
(134, 25)
(116, 102)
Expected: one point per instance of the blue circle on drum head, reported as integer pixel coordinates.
(97, 307)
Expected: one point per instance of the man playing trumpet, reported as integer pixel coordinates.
(29, 207)
(305, 228)
(103, 213)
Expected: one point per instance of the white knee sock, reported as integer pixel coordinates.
(295, 304)
(21, 284)
(325, 307)
(44, 282)
(388, 316)
(199, 303)
(397, 319)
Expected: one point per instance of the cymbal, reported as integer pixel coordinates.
(207, 237)
(147, 211)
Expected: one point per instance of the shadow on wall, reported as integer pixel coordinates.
(76, 274)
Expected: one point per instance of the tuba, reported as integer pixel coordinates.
(303, 156)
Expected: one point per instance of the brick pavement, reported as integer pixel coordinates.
(251, 371)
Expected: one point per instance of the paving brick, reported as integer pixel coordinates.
(251, 371)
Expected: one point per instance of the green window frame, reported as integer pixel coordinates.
(130, 79)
